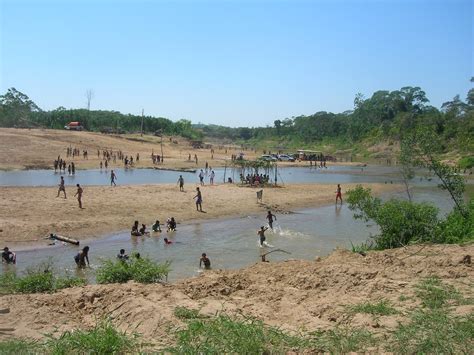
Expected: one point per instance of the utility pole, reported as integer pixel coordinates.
(141, 134)
(161, 142)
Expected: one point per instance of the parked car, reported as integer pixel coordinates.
(285, 157)
(268, 157)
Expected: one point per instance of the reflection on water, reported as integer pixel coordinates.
(339, 174)
(232, 243)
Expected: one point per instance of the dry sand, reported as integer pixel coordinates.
(294, 295)
(28, 214)
(38, 148)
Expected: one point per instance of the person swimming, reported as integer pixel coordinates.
(122, 256)
(167, 241)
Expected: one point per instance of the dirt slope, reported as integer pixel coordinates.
(303, 295)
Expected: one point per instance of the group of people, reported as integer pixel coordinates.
(79, 191)
(73, 152)
(138, 231)
(202, 175)
(255, 179)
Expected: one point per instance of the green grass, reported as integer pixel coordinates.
(433, 329)
(223, 335)
(39, 279)
(142, 270)
(19, 347)
(434, 294)
(104, 338)
(342, 340)
(361, 248)
(187, 313)
(382, 308)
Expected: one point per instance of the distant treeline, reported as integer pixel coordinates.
(385, 115)
(17, 110)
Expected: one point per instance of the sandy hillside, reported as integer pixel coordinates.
(37, 149)
(295, 295)
(27, 214)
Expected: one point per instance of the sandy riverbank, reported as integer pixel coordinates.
(294, 295)
(27, 214)
(38, 148)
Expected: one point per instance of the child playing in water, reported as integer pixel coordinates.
(261, 234)
(156, 227)
(205, 260)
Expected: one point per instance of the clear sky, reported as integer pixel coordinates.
(235, 63)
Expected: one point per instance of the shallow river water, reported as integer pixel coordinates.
(285, 175)
(231, 243)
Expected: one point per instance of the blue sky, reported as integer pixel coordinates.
(236, 63)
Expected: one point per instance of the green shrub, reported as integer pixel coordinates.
(141, 270)
(466, 162)
(38, 279)
(457, 228)
(401, 222)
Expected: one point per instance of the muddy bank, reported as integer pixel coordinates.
(294, 295)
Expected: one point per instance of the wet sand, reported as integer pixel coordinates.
(28, 214)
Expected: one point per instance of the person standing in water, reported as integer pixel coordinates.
(198, 198)
(61, 187)
(8, 257)
(205, 261)
(261, 234)
(339, 193)
(270, 217)
(82, 257)
(181, 183)
(79, 195)
(112, 178)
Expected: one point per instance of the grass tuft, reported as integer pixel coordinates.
(187, 313)
(434, 294)
(382, 308)
(19, 347)
(343, 340)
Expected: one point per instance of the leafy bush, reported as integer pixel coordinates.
(38, 279)
(466, 162)
(141, 270)
(401, 222)
(457, 228)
